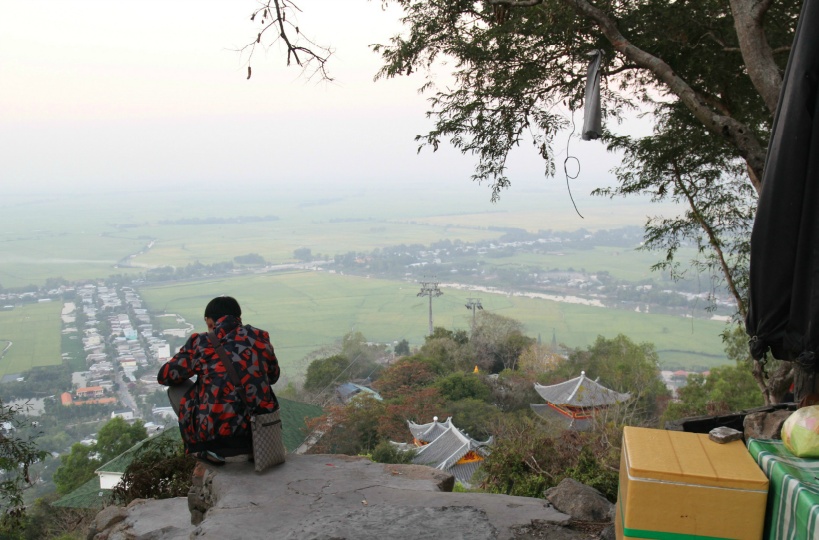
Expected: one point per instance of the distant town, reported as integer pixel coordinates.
(122, 349)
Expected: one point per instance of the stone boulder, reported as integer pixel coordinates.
(580, 501)
(765, 425)
(143, 520)
(330, 497)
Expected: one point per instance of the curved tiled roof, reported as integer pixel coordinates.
(446, 445)
(580, 392)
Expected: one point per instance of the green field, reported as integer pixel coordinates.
(306, 310)
(84, 236)
(34, 331)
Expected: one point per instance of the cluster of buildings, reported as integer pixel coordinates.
(118, 341)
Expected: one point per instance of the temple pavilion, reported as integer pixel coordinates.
(576, 401)
(445, 447)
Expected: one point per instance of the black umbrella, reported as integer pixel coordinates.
(783, 311)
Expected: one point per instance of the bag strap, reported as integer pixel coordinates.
(228, 363)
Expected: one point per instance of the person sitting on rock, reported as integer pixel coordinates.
(213, 418)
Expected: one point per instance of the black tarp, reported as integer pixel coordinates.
(783, 311)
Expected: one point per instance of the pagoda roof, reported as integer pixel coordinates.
(551, 414)
(580, 392)
(446, 445)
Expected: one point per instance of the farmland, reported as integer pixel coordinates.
(85, 236)
(34, 333)
(89, 236)
(306, 310)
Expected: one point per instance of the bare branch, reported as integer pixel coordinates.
(276, 11)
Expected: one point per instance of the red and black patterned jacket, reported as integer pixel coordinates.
(211, 414)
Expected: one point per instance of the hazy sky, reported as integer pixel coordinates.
(123, 94)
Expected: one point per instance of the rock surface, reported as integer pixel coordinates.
(765, 425)
(580, 501)
(333, 497)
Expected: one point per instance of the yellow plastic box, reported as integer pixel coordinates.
(681, 486)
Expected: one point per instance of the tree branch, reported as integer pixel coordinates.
(756, 52)
(712, 239)
(736, 133)
(277, 11)
(516, 3)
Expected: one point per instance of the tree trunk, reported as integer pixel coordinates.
(756, 52)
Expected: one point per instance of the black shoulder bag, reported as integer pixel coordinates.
(268, 442)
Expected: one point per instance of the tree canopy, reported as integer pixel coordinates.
(624, 366)
(709, 72)
(17, 454)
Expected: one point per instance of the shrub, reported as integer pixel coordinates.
(385, 452)
(160, 470)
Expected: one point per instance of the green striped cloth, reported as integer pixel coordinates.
(793, 498)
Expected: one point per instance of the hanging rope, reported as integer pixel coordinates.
(566, 169)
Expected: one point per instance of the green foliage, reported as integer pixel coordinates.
(17, 455)
(322, 372)
(362, 354)
(357, 360)
(514, 63)
(303, 254)
(589, 470)
(42, 520)
(385, 452)
(513, 391)
(160, 470)
(528, 457)
(402, 348)
(519, 455)
(350, 429)
(406, 374)
(76, 468)
(725, 389)
(39, 381)
(117, 436)
(623, 366)
(114, 438)
(497, 342)
(473, 416)
(459, 385)
(253, 259)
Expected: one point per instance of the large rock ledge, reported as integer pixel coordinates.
(328, 497)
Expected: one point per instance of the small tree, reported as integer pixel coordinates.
(16, 457)
(385, 452)
(406, 374)
(160, 470)
(497, 341)
(459, 385)
(402, 348)
(303, 254)
(323, 371)
(76, 468)
(623, 366)
(117, 436)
